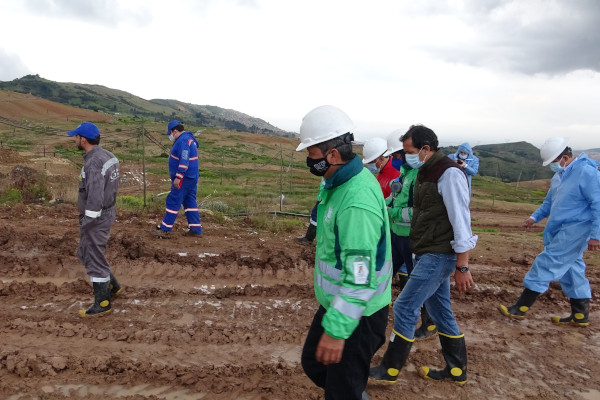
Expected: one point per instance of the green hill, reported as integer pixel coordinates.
(117, 102)
(510, 162)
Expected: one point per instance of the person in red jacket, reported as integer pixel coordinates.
(374, 160)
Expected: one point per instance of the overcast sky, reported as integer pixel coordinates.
(482, 71)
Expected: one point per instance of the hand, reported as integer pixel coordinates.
(463, 280)
(329, 350)
(593, 245)
(177, 183)
(528, 223)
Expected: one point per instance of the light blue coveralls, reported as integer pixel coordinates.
(572, 206)
(471, 162)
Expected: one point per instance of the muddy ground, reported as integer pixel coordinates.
(225, 316)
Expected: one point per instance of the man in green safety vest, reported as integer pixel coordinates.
(353, 260)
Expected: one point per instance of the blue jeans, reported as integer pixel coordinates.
(429, 283)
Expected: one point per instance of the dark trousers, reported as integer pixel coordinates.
(313, 213)
(401, 253)
(347, 379)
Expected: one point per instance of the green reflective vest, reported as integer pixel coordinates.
(401, 204)
(353, 254)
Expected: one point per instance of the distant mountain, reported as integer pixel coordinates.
(593, 153)
(510, 162)
(117, 102)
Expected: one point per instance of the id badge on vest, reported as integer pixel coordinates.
(360, 265)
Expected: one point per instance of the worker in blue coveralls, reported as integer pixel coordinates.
(572, 207)
(467, 161)
(183, 170)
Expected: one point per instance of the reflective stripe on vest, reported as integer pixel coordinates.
(334, 288)
(336, 274)
(329, 271)
(405, 214)
(402, 223)
(346, 308)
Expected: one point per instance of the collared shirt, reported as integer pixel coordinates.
(452, 186)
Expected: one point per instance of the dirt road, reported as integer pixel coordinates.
(224, 317)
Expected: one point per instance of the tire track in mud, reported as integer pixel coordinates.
(173, 337)
(184, 320)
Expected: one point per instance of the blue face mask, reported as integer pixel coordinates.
(413, 160)
(463, 157)
(373, 168)
(556, 167)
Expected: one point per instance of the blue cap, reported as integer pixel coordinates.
(172, 125)
(87, 130)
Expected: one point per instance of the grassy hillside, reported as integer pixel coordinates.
(117, 102)
(240, 172)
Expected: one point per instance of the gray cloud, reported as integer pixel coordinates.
(540, 36)
(11, 66)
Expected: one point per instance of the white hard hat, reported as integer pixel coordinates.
(393, 142)
(373, 149)
(323, 123)
(552, 149)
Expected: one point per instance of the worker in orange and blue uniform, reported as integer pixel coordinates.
(184, 173)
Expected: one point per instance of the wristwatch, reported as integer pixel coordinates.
(462, 268)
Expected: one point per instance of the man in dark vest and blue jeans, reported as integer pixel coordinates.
(440, 238)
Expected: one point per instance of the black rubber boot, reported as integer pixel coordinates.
(580, 311)
(522, 305)
(393, 360)
(101, 300)
(115, 288)
(402, 279)
(454, 351)
(427, 328)
(311, 232)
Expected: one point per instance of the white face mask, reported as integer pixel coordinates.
(171, 137)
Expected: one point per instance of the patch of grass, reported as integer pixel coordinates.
(11, 196)
(485, 187)
(492, 230)
(132, 203)
(275, 224)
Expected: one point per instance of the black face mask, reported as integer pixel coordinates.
(318, 166)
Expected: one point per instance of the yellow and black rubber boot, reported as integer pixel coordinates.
(101, 304)
(402, 280)
(454, 351)
(393, 360)
(427, 328)
(518, 310)
(580, 311)
(115, 288)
